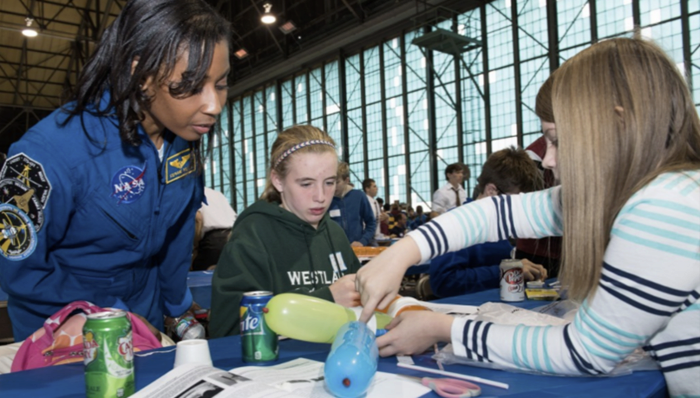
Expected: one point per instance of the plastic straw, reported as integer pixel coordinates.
(455, 375)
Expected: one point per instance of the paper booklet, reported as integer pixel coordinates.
(297, 378)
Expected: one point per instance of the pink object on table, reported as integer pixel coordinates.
(60, 340)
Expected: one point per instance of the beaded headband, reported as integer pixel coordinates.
(299, 146)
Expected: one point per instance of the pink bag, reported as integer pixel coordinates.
(60, 341)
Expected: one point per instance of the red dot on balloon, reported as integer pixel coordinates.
(265, 310)
(346, 382)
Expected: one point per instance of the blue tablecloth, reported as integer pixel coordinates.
(67, 381)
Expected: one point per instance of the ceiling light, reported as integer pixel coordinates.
(240, 54)
(29, 31)
(267, 17)
(288, 27)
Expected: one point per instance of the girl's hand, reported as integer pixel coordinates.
(532, 271)
(413, 332)
(344, 293)
(378, 282)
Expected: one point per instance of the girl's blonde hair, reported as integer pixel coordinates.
(292, 141)
(543, 101)
(624, 115)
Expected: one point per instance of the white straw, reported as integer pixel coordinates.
(455, 375)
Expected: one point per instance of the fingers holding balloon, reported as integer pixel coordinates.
(413, 332)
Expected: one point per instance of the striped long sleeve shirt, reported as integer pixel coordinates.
(647, 296)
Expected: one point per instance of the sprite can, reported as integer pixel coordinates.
(108, 353)
(258, 341)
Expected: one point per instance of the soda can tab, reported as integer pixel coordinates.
(108, 352)
(512, 280)
(258, 341)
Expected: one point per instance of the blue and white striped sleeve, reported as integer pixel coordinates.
(531, 215)
(647, 297)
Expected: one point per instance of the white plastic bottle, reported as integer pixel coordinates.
(188, 328)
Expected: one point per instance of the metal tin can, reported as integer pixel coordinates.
(108, 353)
(512, 280)
(258, 341)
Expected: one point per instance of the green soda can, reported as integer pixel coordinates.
(108, 353)
(258, 341)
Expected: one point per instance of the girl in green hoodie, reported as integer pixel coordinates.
(285, 242)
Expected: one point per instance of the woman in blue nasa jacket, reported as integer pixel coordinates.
(99, 199)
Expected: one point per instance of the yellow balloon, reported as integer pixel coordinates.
(309, 318)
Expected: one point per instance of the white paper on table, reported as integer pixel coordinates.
(304, 378)
(194, 380)
(468, 311)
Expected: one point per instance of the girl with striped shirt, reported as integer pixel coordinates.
(627, 150)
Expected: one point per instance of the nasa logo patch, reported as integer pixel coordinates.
(18, 239)
(128, 184)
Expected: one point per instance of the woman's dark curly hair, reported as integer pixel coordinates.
(156, 33)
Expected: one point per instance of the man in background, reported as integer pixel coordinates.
(352, 211)
(370, 188)
(452, 194)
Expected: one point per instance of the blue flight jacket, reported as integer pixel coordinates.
(112, 224)
(355, 215)
(469, 270)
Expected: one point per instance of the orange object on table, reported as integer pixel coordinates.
(401, 304)
(368, 251)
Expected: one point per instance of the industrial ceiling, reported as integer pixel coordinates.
(37, 73)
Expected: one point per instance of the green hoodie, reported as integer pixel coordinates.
(272, 249)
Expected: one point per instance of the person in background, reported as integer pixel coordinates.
(370, 188)
(352, 211)
(110, 183)
(466, 175)
(509, 171)
(420, 219)
(285, 241)
(545, 251)
(411, 215)
(452, 194)
(393, 216)
(213, 224)
(384, 220)
(626, 148)
(398, 228)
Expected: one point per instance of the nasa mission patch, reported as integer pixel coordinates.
(30, 173)
(13, 192)
(129, 184)
(18, 239)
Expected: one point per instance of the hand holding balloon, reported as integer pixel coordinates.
(344, 293)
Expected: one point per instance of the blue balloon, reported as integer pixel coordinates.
(352, 362)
